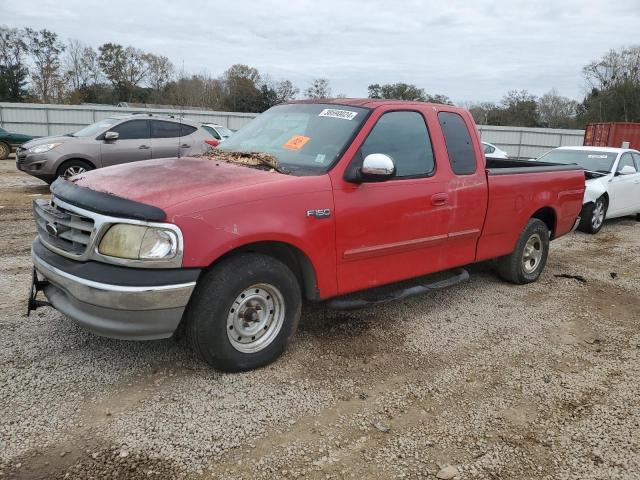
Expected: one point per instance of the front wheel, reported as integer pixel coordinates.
(71, 168)
(527, 261)
(593, 215)
(243, 312)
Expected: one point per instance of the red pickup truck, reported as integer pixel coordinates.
(311, 200)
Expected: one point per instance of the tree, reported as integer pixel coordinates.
(125, 68)
(519, 109)
(286, 91)
(397, 91)
(556, 111)
(319, 89)
(45, 49)
(243, 85)
(13, 70)
(160, 70)
(614, 83)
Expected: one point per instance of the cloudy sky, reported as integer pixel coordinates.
(468, 50)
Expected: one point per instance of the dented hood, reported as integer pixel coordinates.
(166, 182)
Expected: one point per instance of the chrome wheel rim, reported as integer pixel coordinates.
(255, 318)
(75, 170)
(598, 215)
(532, 253)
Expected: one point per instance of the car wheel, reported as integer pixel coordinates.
(73, 167)
(243, 312)
(593, 216)
(527, 261)
(5, 151)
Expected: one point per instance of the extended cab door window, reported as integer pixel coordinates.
(404, 137)
(458, 141)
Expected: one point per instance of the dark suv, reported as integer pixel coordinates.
(111, 141)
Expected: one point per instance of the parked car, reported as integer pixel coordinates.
(335, 197)
(491, 151)
(612, 184)
(9, 141)
(219, 132)
(113, 140)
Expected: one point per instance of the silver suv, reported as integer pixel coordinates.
(113, 140)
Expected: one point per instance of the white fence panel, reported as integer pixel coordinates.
(522, 142)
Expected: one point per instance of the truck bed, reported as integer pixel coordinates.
(510, 167)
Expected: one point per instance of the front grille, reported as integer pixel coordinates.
(62, 228)
(21, 154)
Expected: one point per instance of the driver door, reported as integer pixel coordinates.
(623, 190)
(395, 229)
(132, 145)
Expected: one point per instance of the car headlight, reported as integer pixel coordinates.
(44, 148)
(138, 242)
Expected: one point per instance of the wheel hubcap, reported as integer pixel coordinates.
(532, 253)
(255, 318)
(71, 171)
(598, 214)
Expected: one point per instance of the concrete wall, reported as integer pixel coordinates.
(41, 120)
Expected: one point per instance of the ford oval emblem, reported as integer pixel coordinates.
(51, 229)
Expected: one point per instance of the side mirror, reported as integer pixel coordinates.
(377, 167)
(626, 170)
(110, 136)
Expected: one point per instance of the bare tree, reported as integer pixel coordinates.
(13, 69)
(319, 88)
(81, 65)
(557, 111)
(160, 70)
(45, 49)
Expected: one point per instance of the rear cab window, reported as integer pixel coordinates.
(457, 138)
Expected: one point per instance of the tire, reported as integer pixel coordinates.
(593, 216)
(5, 151)
(73, 167)
(224, 323)
(532, 246)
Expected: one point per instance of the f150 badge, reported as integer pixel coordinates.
(319, 213)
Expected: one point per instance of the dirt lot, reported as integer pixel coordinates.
(500, 381)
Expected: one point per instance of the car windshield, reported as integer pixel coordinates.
(95, 128)
(225, 132)
(306, 137)
(596, 161)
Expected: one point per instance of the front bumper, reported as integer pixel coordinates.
(143, 305)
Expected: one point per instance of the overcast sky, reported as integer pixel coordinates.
(468, 50)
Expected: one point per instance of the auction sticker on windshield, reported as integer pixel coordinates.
(296, 142)
(334, 113)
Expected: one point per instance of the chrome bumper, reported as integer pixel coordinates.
(126, 312)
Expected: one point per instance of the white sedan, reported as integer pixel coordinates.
(613, 182)
(491, 151)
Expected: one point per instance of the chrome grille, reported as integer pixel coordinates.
(62, 228)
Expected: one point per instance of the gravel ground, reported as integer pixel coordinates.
(483, 380)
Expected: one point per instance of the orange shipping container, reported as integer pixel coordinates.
(613, 134)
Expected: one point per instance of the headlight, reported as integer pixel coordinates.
(138, 242)
(44, 148)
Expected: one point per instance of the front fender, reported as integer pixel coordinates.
(595, 189)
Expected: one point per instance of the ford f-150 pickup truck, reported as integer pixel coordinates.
(326, 198)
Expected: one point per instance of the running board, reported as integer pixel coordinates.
(347, 302)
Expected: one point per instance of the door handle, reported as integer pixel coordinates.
(144, 147)
(439, 199)
(184, 145)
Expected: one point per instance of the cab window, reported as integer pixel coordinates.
(458, 141)
(404, 137)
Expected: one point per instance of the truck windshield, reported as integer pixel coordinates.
(588, 159)
(307, 137)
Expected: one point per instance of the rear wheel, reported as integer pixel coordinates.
(71, 168)
(5, 150)
(527, 261)
(593, 215)
(243, 312)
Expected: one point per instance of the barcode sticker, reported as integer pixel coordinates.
(334, 113)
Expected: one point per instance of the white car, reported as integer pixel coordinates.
(612, 181)
(219, 132)
(491, 151)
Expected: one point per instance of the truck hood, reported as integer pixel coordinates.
(167, 182)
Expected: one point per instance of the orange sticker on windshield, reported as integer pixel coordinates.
(296, 142)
